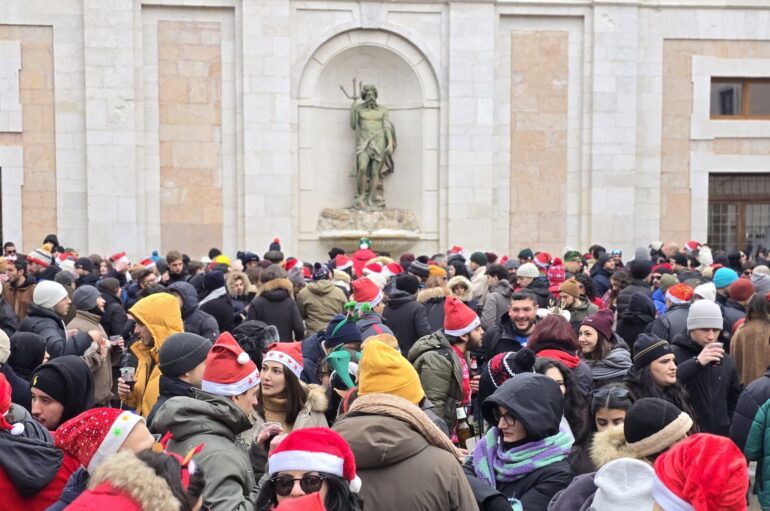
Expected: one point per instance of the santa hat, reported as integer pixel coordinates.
(679, 294)
(366, 291)
(692, 246)
(40, 256)
(147, 263)
(229, 370)
(5, 404)
(543, 259)
(372, 268)
(289, 354)
(392, 269)
(342, 262)
(459, 319)
(456, 249)
(95, 434)
(64, 256)
(292, 262)
(120, 257)
(316, 450)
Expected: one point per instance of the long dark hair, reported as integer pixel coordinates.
(169, 468)
(757, 309)
(600, 352)
(641, 384)
(574, 401)
(588, 285)
(293, 391)
(609, 401)
(338, 498)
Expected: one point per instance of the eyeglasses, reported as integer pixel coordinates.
(10, 252)
(510, 420)
(310, 483)
(616, 392)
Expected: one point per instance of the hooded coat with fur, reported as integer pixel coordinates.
(275, 306)
(433, 299)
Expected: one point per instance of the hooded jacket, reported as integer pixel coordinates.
(275, 306)
(659, 297)
(391, 457)
(114, 320)
(100, 368)
(49, 325)
(319, 302)
(20, 298)
(433, 299)
(160, 314)
(216, 422)
(496, 303)
(713, 389)
(218, 304)
(371, 324)
(440, 373)
(539, 286)
(407, 319)
(196, 321)
(581, 312)
(600, 276)
(624, 297)
(633, 321)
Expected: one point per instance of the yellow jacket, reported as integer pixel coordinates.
(161, 315)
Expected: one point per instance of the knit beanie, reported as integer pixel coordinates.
(724, 277)
(419, 268)
(64, 278)
(649, 348)
(666, 281)
(761, 282)
(479, 258)
(436, 271)
(384, 370)
(408, 283)
(502, 367)
(214, 280)
(707, 291)
(341, 330)
(640, 268)
(84, 263)
(95, 434)
(556, 274)
(40, 256)
(67, 380)
(27, 352)
(602, 322)
(47, 294)
(571, 287)
(320, 272)
(652, 425)
(182, 352)
(624, 483)
(708, 472)
(704, 314)
(641, 254)
(84, 298)
(512, 264)
(761, 268)
(526, 253)
(528, 270)
(741, 290)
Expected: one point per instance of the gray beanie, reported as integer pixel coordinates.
(704, 314)
(761, 282)
(641, 254)
(512, 264)
(48, 293)
(84, 298)
(182, 352)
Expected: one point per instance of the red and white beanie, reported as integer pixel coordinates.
(459, 319)
(95, 434)
(147, 263)
(120, 257)
(342, 262)
(40, 256)
(366, 291)
(287, 353)
(392, 269)
(372, 268)
(229, 370)
(291, 263)
(316, 450)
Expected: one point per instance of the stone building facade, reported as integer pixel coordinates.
(159, 124)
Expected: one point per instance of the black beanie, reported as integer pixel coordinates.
(408, 283)
(182, 352)
(27, 352)
(649, 348)
(640, 270)
(68, 380)
(652, 425)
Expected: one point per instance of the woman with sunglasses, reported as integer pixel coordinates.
(524, 453)
(609, 405)
(605, 352)
(312, 460)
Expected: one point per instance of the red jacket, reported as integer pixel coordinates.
(11, 499)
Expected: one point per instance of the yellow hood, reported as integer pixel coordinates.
(161, 315)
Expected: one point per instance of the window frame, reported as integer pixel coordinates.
(745, 96)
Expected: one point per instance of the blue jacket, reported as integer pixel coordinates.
(659, 297)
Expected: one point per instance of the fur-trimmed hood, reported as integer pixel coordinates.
(431, 293)
(277, 289)
(123, 478)
(459, 279)
(383, 260)
(232, 276)
(316, 398)
(609, 445)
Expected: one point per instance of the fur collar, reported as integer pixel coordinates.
(383, 260)
(429, 293)
(275, 284)
(316, 399)
(459, 279)
(125, 473)
(609, 445)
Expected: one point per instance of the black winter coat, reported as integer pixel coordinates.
(87, 280)
(20, 392)
(47, 324)
(196, 321)
(624, 298)
(169, 387)
(639, 314)
(312, 354)
(433, 300)
(8, 320)
(407, 318)
(114, 320)
(672, 323)
(713, 390)
(601, 280)
(275, 306)
(222, 310)
(502, 338)
(539, 286)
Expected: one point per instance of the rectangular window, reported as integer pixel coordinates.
(739, 212)
(740, 98)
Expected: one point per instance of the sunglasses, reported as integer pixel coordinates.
(310, 483)
(509, 419)
(616, 392)
(11, 252)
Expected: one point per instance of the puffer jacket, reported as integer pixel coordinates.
(217, 303)
(195, 320)
(318, 303)
(433, 300)
(600, 276)
(275, 306)
(47, 324)
(100, 368)
(496, 303)
(371, 324)
(440, 373)
(581, 312)
(635, 319)
(539, 286)
(659, 297)
(160, 314)
(670, 324)
(8, 322)
(750, 430)
(624, 297)
(407, 319)
(216, 422)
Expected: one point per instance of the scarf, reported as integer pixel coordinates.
(565, 358)
(275, 410)
(615, 365)
(492, 464)
(403, 410)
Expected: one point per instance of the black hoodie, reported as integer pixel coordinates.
(633, 321)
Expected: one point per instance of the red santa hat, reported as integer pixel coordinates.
(287, 353)
(459, 319)
(372, 268)
(679, 293)
(392, 269)
(691, 246)
(292, 262)
(543, 259)
(456, 249)
(229, 370)
(95, 434)
(5, 404)
(316, 450)
(366, 291)
(147, 263)
(120, 257)
(342, 262)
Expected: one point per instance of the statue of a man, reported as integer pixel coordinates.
(375, 143)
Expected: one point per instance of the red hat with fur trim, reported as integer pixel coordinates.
(459, 319)
(5, 404)
(287, 353)
(392, 269)
(229, 370)
(342, 262)
(372, 268)
(366, 291)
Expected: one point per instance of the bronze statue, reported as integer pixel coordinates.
(375, 143)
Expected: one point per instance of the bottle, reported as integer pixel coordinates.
(464, 430)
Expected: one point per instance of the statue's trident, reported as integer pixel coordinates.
(354, 97)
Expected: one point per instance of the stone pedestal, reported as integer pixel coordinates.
(390, 230)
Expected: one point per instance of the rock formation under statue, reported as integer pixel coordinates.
(391, 230)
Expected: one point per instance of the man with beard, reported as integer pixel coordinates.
(441, 359)
(19, 288)
(514, 328)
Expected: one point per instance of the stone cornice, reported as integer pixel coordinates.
(709, 4)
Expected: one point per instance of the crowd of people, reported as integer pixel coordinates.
(586, 381)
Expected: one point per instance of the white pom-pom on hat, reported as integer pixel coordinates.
(243, 358)
(17, 429)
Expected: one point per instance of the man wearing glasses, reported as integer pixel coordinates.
(9, 250)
